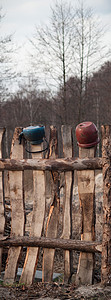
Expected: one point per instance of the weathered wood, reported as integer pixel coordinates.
(67, 219)
(106, 241)
(52, 222)
(31, 260)
(64, 244)
(2, 217)
(86, 185)
(60, 164)
(17, 209)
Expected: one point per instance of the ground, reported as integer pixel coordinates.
(55, 291)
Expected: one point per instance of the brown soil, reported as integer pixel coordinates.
(55, 291)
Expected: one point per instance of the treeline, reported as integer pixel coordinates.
(30, 106)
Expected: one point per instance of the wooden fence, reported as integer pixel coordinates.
(47, 238)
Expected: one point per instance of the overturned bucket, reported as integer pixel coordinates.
(87, 135)
(35, 135)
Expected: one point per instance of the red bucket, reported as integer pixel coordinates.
(87, 135)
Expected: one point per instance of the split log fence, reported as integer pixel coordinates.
(85, 167)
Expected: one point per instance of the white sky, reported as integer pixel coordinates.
(21, 16)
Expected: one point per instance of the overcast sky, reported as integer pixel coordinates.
(21, 16)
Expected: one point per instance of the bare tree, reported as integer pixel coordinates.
(7, 72)
(54, 47)
(90, 51)
(70, 45)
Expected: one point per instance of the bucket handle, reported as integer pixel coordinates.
(40, 151)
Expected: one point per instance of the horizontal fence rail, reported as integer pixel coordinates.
(60, 165)
(65, 244)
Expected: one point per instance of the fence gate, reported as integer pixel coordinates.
(49, 175)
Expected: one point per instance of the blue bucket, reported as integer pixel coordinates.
(34, 134)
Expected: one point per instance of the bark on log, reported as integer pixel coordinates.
(65, 244)
(60, 165)
(2, 218)
(106, 242)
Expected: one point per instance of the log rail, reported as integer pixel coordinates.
(51, 243)
(60, 165)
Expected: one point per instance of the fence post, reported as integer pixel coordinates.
(86, 181)
(106, 241)
(17, 208)
(87, 137)
(53, 217)
(67, 217)
(2, 218)
(32, 254)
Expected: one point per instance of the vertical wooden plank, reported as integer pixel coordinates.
(106, 241)
(67, 219)
(31, 260)
(17, 208)
(86, 183)
(52, 223)
(2, 217)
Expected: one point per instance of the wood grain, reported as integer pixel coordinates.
(86, 183)
(67, 220)
(31, 259)
(52, 222)
(17, 209)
